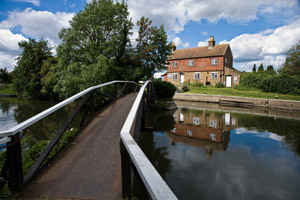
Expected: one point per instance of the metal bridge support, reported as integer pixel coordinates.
(126, 172)
(14, 161)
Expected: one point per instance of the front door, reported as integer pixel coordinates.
(181, 78)
(228, 81)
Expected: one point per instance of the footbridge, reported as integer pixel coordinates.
(104, 156)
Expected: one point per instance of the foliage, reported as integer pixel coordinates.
(219, 85)
(184, 88)
(260, 68)
(270, 70)
(283, 84)
(152, 48)
(101, 28)
(27, 72)
(164, 89)
(198, 84)
(96, 49)
(5, 77)
(254, 68)
(292, 62)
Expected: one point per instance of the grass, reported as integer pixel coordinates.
(6, 89)
(241, 92)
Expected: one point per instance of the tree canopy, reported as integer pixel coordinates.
(260, 68)
(96, 48)
(27, 72)
(292, 61)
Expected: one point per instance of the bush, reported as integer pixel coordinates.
(219, 85)
(164, 89)
(198, 85)
(184, 88)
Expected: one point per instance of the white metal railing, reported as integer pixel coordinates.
(12, 131)
(156, 186)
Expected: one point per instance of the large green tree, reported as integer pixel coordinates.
(292, 61)
(5, 76)
(152, 48)
(260, 68)
(27, 79)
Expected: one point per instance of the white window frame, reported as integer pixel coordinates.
(196, 120)
(212, 137)
(235, 79)
(175, 75)
(213, 123)
(191, 63)
(174, 64)
(189, 133)
(214, 75)
(214, 61)
(197, 76)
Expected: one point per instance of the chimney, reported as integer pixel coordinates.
(211, 42)
(173, 47)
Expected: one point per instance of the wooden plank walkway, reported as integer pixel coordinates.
(91, 168)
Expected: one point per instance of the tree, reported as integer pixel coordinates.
(152, 49)
(292, 62)
(5, 77)
(260, 68)
(270, 70)
(254, 68)
(94, 45)
(27, 72)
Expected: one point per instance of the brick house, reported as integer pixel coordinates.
(208, 65)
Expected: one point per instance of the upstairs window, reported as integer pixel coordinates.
(214, 75)
(191, 63)
(214, 61)
(225, 60)
(197, 76)
(174, 64)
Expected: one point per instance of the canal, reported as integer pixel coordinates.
(205, 151)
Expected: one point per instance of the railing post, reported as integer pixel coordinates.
(126, 172)
(92, 103)
(116, 90)
(14, 162)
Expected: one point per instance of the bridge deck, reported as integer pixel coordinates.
(91, 168)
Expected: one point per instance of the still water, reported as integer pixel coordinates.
(205, 152)
(14, 111)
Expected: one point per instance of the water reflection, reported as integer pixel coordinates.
(205, 129)
(227, 154)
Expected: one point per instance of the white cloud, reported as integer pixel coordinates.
(180, 44)
(204, 33)
(203, 43)
(176, 14)
(34, 2)
(9, 41)
(35, 24)
(9, 49)
(38, 23)
(268, 47)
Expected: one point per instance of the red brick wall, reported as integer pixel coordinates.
(200, 64)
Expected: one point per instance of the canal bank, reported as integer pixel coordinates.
(238, 101)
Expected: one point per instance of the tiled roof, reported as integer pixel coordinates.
(199, 52)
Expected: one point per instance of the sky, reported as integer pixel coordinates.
(258, 31)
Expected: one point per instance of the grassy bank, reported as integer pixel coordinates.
(242, 92)
(6, 89)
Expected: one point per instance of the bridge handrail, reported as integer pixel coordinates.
(45, 113)
(156, 186)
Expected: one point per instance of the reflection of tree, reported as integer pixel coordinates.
(287, 128)
(6, 105)
(47, 126)
(164, 120)
(157, 155)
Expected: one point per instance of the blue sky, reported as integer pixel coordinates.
(258, 31)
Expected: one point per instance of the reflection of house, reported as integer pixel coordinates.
(203, 128)
(208, 65)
